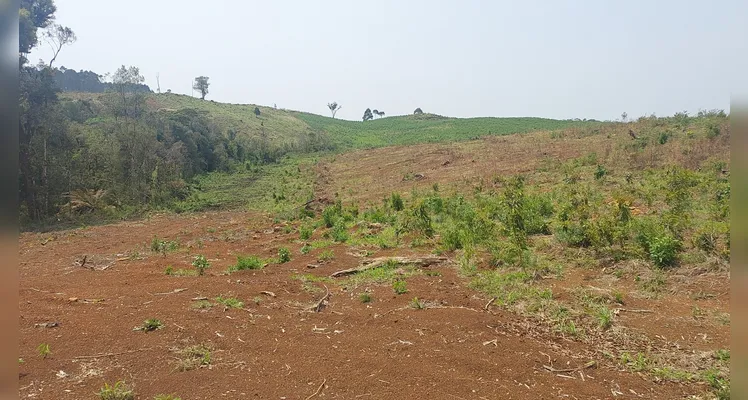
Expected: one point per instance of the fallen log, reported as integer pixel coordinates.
(378, 262)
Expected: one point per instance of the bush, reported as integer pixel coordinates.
(340, 232)
(400, 287)
(247, 262)
(201, 264)
(305, 232)
(600, 172)
(331, 215)
(284, 255)
(118, 391)
(663, 250)
(396, 202)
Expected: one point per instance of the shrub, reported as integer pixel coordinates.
(326, 255)
(364, 297)
(305, 232)
(331, 215)
(600, 172)
(201, 264)
(118, 391)
(247, 262)
(396, 202)
(306, 248)
(284, 255)
(400, 287)
(340, 232)
(663, 250)
(150, 325)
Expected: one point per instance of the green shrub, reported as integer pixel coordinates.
(396, 202)
(247, 262)
(600, 172)
(400, 287)
(332, 214)
(305, 232)
(364, 297)
(284, 255)
(118, 391)
(663, 250)
(306, 248)
(201, 264)
(340, 232)
(326, 255)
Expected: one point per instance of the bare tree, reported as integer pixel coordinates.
(58, 36)
(624, 116)
(334, 107)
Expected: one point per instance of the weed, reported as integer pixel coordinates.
(202, 304)
(433, 273)
(150, 325)
(417, 304)
(340, 232)
(257, 300)
(326, 255)
(163, 246)
(396, 202)
(43, 350)
(247, 262)
(193, 357)
(663, 250)
(400, 287)
(201, 264)
(618, 297)
(672, 374)
(118, 391)
(305, 232)
(719, 383)
(169, 270)
(604, 317)
(230, 302)
(167, 397)
(637, 364)
(306, 248)
(600, 172)
(284, 255)
(722, 355)
(655, 284)
(365, 297)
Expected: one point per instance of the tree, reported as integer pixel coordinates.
(418, 111)
(257, 112)
(201, 85)
(380, 114)
(58, 36)
(367, 115)
(375, 111)
(334, 107)
(624, 116)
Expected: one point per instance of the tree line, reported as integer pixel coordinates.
(112, 154)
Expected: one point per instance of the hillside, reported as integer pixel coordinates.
(285, 126)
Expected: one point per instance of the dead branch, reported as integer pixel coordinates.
(489, 303)
(318, 390)
(111, 354)
(585, 366)
(172, 292)
(320, 304)
(267, 293)
(378, 262)
(617, 310)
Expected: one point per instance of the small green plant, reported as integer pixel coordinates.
(417, 304)
(202, 304)
(43, 350)
(600, 172)
(284, 255)
(604, 317)
(201, 264)
(257, 300)
(400, 287)
(193, 357)
(722, 355)
(230, 302)
(169, 270)
(20, 360)
(719, 383)
(118, 391)
(365, 297)
(150, 325)
(663, 250)
(305, 232)
(167, 397)
(326, 255)
(247, 262)
(618, 297)
(339, 232)
(396, 202)
(306, 248)
(637, 364)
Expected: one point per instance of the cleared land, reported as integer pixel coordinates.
(517, 311)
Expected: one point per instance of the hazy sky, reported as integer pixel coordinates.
(556, 59)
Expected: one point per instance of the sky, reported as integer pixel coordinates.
(469, 58)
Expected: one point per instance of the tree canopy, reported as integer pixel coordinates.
(201, 85)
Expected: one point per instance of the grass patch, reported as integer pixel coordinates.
(400, 287)
(150, 325)
(365, 297)
(326, 255)
(247, 262)
(193, 357)
(229, 302)
(119, 391)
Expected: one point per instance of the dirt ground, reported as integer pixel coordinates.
(278, 347)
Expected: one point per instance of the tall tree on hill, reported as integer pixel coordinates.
(418, 111)
(257, 112)
(58, 36)
(367, 115)
(334, 107)
(201, 85)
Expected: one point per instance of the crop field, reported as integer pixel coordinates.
(478, 259)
